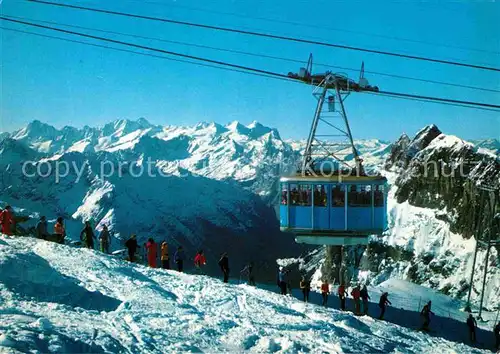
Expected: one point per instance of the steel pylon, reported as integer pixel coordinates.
(330, 146)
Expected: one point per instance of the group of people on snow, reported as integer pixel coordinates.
(87, 236)
(199, 261)
(360, 296)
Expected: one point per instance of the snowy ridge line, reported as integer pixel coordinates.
(116, 306)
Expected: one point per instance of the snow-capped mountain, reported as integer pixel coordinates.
(492, 145)
(214, 185)
(434, 213)
(245, 154)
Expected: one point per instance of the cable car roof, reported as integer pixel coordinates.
(334, 179)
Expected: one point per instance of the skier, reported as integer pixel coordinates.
(165, 261)
(104, 239)
(7, 220)
(282, 280)
(365, 297)
(472, 324)
(224, 266)
(87, 235)
(426, 316)
(200, 261)
(41, 228)
(496, 330)
(342, 295)
(248, 271)
(383, 304)
(325, 291)
(179, 257)
(305, 286)
(59, 231)
(356, 294)
(132, 246)
(152, 252)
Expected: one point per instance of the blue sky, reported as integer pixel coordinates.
(64, 83)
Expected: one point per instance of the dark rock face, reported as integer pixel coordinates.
(422, 140)
(397, 156)
(404, 149)
(446, 173)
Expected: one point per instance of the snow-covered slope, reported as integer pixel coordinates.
(423, 249)
(59, 299)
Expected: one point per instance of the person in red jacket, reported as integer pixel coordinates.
(7, 219)
(356, 295)
(152, 251)
(325, 291)
(200, 261)
(342, 296)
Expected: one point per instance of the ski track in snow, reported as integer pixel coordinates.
(115, 306)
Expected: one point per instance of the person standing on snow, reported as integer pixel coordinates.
(165, 261)
(104, 239)
(59, 230)
(426, 316)
(325, 291)
(248, 271)
(342, 295)
(282, 280)
(305, 286)
(152, 252)
(200, 261)
(87, 235)
(496, 331)
(383, 304)
(356, 295)
(365, 297)
(472, 324)
(41, 228)
(7, 220)
(132, 246)
(179, 258)
(224, 266)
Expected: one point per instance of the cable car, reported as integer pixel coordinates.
(333, 211)
(341, 205)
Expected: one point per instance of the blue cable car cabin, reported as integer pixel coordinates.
(332, 211)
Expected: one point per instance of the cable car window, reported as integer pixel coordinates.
(360, 195)
(320, 195)
(305, 195)
(366, 193)
(284, 194)
(378, 195)
(352, 196)
(294, 194)
(338, 196)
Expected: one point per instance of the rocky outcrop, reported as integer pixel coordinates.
(397, 155)
(441, 205)
(448, 174)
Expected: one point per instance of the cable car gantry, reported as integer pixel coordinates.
(331, 200)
